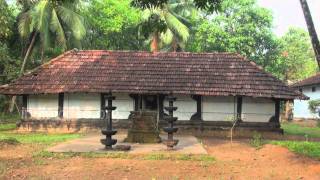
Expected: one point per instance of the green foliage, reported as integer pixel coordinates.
(314, 105)
(7, 126)
(113, 25)
(257, 140)
(208, 5)
(39, 138)
(9, 141)
(6, 20)
(242, 27)
(171, 22)
(310, 149)
(294, 129)
(56, 23)
(297, 59)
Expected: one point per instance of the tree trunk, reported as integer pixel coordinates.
(155, 42)
(311, 29)
(13, 100)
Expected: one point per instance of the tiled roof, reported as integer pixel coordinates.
(308, 82)
(214, 74)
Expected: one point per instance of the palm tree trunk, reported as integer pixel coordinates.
(13, 100)
(311, 29)
(155, 42)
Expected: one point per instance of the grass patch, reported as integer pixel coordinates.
(124, 155)
(310, 149)
(295, 129)
(8, 126)
(9, 118)
(39, 138)
(9, 141)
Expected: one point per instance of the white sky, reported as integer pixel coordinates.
(289, 13)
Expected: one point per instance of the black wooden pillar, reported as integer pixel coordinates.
(24, 106)
(170, 142)
(107, 130)
(277, 112)
(239, 108)
(60, 105)
(161, 112)
(198, 114)
(102, 106)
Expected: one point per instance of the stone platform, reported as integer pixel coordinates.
(91, 143)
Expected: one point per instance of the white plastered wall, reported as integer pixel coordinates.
(81, 105)
(257, 109)
(124, 104)
(218, 108)
(43, 106)
(186, 107)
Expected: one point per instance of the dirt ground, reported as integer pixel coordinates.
(236, 161)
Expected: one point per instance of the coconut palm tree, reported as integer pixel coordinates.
(169, 24)
(50, 22)
(311, 28)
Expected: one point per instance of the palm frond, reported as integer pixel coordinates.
(58, 29)
(24, 24)
(177, 27)
(73, 20)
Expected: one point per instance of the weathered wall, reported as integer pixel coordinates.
(124, 104)
(81, 105)
(43, 106)
(300, 109)
(257, 109)
(218, 108)
(186, 107)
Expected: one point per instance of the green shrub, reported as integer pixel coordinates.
(256, 140)
(9, 141)
(310, 149)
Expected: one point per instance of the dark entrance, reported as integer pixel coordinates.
(150, 102)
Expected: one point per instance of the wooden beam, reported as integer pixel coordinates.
(60, 105)
(239, 108)
(102, 105)
(277, 112)
(24, 106)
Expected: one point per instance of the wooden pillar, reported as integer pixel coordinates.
(198, 114)
(135, 98)
(24, 106)
(161, 112)
(277, 112)
(60, 105)
(102, 105)
(239, 108)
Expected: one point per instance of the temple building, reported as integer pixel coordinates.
(212, 89)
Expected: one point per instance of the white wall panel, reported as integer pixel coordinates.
(43, 106)
(186, 107)
(301, 107)
(124, 104)
(218, 108)
(81, 105)
(257, 109)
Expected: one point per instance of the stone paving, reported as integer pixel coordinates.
(91, 143)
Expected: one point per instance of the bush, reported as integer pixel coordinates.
(256, 140)
(9, 141)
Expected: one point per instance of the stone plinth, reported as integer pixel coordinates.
(143, 128)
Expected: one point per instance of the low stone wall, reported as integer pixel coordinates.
(198, 128)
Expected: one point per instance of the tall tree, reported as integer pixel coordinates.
(311, 29)
(113, 24)
(52, 22)
(168, 25)
(243, 27)
(297, 60)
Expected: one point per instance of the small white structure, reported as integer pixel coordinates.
(311, 88)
